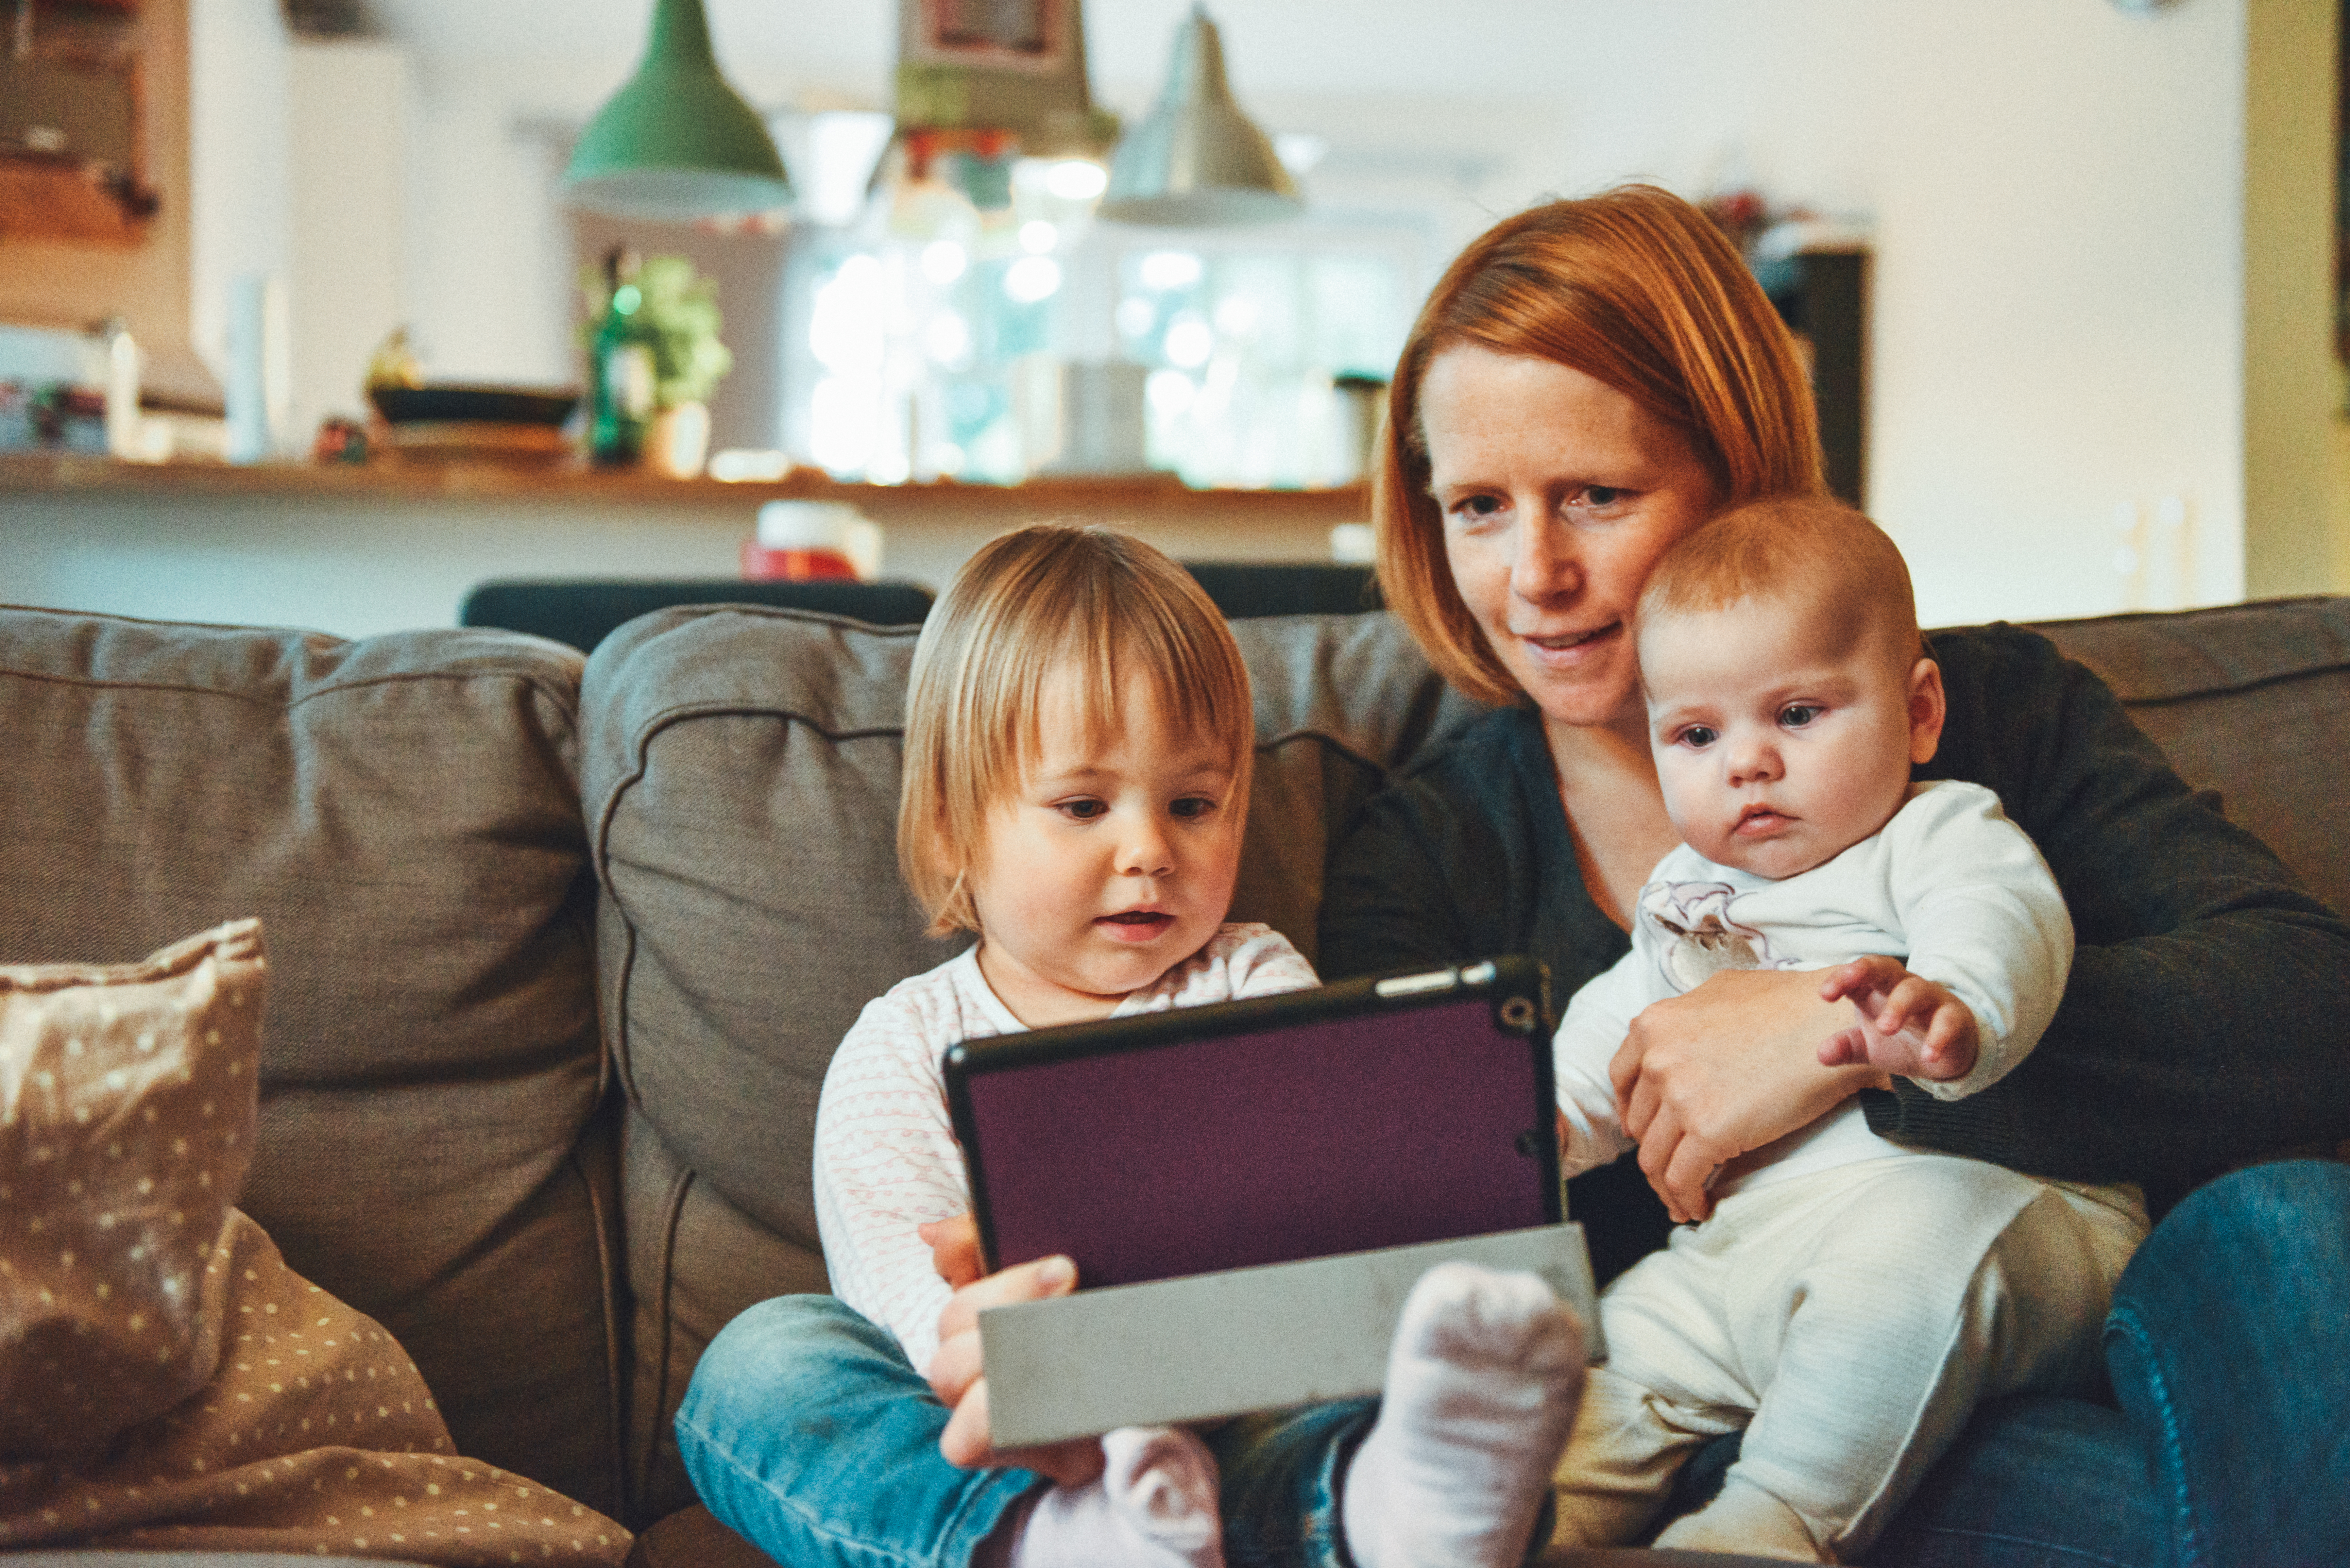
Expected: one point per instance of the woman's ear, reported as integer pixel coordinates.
(1928, 708)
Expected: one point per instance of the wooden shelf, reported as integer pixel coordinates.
(1152, 496)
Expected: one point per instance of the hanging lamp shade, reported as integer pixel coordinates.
(677, 143)
(1196, 158)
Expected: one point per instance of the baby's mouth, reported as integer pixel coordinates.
(1132, 923)
(1756, 819)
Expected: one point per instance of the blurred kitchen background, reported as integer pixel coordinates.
(2093, 337)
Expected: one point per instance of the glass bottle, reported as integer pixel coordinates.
(619, 369)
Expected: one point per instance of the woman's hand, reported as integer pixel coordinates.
(1909, 1025)
(957, 1376)
(1704, 1078)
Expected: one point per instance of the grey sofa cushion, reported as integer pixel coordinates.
(2252, 701)
(741, 775)
(402, 815)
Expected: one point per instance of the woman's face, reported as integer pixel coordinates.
(1558, 494)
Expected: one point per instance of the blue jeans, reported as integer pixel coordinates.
(806, 1431)
(2229, 1348)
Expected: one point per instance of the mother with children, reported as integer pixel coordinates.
(1909, 986)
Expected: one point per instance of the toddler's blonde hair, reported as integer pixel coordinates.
(1101, 605)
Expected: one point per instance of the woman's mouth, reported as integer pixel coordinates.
(1135, 925)
(1567, 644)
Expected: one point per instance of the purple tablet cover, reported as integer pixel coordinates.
(1302, 1140)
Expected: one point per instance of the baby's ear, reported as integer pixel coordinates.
(1928, 708)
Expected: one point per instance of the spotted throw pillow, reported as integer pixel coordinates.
(166, 1381)
(125, 1127)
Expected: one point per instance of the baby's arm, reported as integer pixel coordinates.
(1984, 922)
(1909, 1025)
(1591, 1125)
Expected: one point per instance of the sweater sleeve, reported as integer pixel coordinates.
(885, 1162)
(1597, 1018)
(2206, 1018)
(1983, 917)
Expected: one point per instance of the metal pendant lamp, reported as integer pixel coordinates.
(677, 145)
(1196, 158)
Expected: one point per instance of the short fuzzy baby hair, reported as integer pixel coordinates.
(1098, 604)
(1807, 548)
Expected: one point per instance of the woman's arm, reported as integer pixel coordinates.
(2207, 1017)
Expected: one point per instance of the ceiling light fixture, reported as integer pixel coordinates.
(1196, 158)
(677, 145)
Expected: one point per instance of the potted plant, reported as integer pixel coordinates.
(655, 357)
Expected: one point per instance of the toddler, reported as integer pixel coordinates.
(1848, 1300)
(1078, 745)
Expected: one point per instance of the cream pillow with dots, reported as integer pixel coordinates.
(126, 1106)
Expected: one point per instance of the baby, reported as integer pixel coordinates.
(1849, 1299)
(1078, 745)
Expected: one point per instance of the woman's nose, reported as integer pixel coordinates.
(1543, 565)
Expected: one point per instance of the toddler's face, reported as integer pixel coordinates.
(1781, 740)
(1111, 863)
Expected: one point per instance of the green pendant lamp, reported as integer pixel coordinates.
(1196, 158)
(677, 145)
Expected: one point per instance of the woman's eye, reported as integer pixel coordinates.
(1083, 810)
(1472, 510)
(1795, 715)
(1603, 495)
(1696, 737)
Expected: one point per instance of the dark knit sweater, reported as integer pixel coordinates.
(2206, 1022)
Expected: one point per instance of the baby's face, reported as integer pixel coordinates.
(1780, 738)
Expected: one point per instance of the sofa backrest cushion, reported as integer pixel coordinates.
(740, 776)
(402, 813)
(2252, 701)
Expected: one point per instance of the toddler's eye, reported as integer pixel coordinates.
(1193, 806)
(1696, 737)
(1083, 810)
(1795, 715)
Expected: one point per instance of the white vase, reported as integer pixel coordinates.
(677, 441)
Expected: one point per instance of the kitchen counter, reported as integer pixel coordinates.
(360, 549)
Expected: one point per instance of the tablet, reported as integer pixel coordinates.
(1380, 1112)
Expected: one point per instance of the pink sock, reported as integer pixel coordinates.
(1154, 1507)
(1483, 1384)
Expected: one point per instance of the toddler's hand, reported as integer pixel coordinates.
(1909, 1025)
(959, 1379)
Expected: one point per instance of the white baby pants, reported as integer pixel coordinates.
(1848, 1320)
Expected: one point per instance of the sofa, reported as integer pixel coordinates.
(559, 949)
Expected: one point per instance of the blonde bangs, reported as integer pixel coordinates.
(1101, 605)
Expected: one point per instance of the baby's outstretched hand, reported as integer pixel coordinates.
(1909, 1025)
(957, 1376)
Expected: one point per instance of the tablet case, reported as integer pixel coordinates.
(1376, 1113)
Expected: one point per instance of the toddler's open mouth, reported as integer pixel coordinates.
(1136, 925)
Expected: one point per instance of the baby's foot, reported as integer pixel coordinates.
(1154, 1507)
(1483, 1383)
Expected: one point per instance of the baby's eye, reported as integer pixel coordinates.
(1083, 809)
(1696, 737)
(1795, 715)
(1191, 807)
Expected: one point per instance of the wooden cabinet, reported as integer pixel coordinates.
(73, 132)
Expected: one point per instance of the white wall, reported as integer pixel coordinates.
(347, 114)
(2057, 190)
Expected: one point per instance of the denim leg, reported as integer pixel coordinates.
(809, 1433)
(1281, 1474)
(2230, 1348)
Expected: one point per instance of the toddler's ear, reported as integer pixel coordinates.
(1927, 707)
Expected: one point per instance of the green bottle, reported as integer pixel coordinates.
(619, 369)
